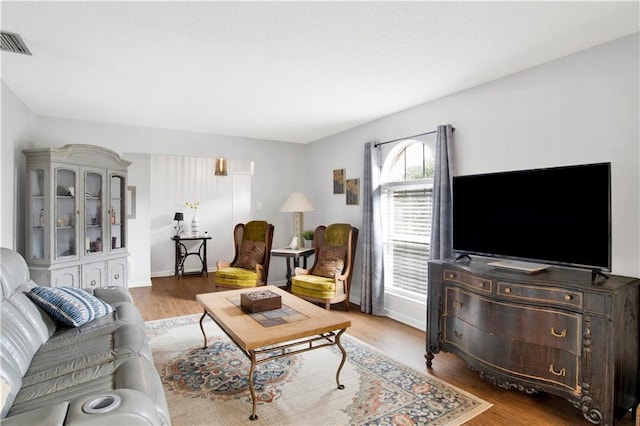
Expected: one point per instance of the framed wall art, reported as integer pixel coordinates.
(338, 181)
(353, 191)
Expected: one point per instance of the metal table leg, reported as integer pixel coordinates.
(202, 329)
(344, 357)
(252, 372)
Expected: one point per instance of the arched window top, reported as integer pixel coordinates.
(410, 160)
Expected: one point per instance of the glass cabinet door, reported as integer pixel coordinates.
(39, 214)
(93, 218)
(65, 213)
(117, 213)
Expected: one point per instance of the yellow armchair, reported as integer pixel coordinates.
(328, 281)
(250, 264)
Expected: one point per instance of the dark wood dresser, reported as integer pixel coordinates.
(554, 331)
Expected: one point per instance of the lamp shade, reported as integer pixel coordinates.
(297, 202)
(178, 216)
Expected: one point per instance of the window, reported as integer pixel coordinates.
(407, 189)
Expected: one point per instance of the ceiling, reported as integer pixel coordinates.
(288, 71)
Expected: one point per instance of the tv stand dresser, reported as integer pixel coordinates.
(554, 331)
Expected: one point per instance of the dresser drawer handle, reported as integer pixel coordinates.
(116, 276)
(451, 276)
(457, 304)
(507, 290)
(457, 335)
(567, 297)
(562, 372)
(563, 333)
(93, 282)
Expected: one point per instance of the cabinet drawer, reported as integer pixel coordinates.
(93, 275)
(117, 272)
(468, 280)
(545, 364)
(541, 326)
(538, 294)
(65, 277)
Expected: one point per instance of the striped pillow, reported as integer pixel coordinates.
(70, 306)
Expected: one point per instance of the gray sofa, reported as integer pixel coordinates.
(98, 373)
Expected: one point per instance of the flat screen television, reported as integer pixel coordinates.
(559, 215)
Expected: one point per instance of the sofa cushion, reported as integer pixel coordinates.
(70, 306)
(107, 328)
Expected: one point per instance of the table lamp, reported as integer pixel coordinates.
(296, 204)
(178, 217)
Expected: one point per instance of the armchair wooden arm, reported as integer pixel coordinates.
(301, 271)
(222, 264)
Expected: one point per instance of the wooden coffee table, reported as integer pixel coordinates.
(298, 327)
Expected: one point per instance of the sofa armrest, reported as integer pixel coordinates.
(113, 295)
(134, 408)
(45, 416)
(221, 264)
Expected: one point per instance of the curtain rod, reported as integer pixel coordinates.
(408, 137)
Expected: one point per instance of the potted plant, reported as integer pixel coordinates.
(308, 238)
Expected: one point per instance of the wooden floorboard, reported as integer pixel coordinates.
(170, 297)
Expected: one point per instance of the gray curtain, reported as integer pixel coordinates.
(372, 265)
(442, 213)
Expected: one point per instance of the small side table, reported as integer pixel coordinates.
(294, 254)
(182, 252)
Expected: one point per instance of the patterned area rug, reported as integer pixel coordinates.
(210, 386)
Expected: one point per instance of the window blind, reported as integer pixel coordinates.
(408, 219)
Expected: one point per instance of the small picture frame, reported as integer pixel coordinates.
(353, 191)
(338, 181)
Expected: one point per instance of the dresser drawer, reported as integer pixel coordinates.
(544, 364)
(468, 280)
(517, 323)
(538, 294)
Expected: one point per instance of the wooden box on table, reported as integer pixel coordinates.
(260, 300)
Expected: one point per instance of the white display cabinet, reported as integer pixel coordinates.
(76, 205)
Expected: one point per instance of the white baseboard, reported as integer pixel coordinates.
(402, 310)
(406, 311)
(171, 272)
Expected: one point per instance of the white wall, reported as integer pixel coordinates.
(17, 127)
(139, 229)
(579, 109)
(177, 180)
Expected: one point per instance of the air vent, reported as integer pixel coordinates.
(12, 42)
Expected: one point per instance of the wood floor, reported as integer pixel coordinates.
(169, 297)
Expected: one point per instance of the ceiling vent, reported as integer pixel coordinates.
(12, 42)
